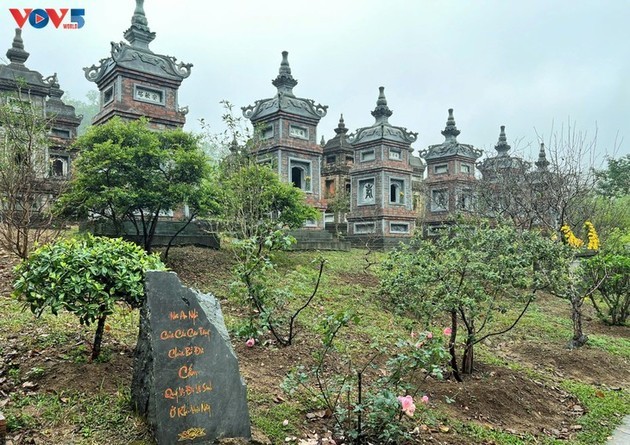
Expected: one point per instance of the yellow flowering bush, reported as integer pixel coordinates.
(575, 242)
(570, 238)
(591, 233)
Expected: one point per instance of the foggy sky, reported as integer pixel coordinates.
(533, 66)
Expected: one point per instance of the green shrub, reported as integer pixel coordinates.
(610, 275)
(86, 276)
(471, 273)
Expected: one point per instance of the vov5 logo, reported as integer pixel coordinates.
(40, 18)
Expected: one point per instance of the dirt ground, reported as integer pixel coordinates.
(494, 396)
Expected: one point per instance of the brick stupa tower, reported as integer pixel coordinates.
(287, 131)
(450, 178)
(135, 82)
(381, 205)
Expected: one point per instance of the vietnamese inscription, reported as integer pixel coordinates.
(186, 377)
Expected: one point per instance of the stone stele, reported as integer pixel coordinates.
(186, 380)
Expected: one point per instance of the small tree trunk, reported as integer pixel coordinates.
(579, 339)
(98, 337)
(625, 309)
(451, 346)
(170, 241)
(469, 357)
(596, 307)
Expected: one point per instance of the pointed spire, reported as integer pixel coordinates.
(542, 163)
(341, 127)
(234, 148)
(285, 81)
(139, 35)
(382, 112)
(322, 142)
(16, 53)
(450, 131)
(502, 146)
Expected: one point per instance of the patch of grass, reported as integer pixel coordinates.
(343, 288)
(50, 331)
(79, 354)
(35, 372)
(537, 322)
(19, 421)
(123, 325)
(605, 410)
(269, 418)
(485, 355)
(480, 434)
(51, 339)
(15, 375)
(613, 345)
(106, 418)
(19, 318)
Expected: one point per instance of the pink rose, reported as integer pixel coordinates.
(429, 335)
(407, 404)
(425, 399)
(412, 335)
(448, 331)
(250, 343)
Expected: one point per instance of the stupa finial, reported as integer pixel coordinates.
(450, 131)
(502, 146)
(16, 54)
(285, 81)
(139, 35)
(382, 112)
(542, 163)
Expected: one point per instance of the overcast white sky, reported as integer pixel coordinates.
(524, 64)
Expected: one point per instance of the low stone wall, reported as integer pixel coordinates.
(337, 228)
(308, 239)
(195, 234)
(376, 242)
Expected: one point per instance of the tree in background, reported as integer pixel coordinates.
(339, 204)
(614, 181)
(128, 174)
(549, 193)
(219, 145)
(257, 210)
(564, 191)
(254, 201)
(609, 274)
(87, 108)
(609, 271)
(25, 195)
(610, 204)
(574, 284)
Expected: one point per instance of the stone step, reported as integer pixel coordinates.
(312, 235)
(321, 245)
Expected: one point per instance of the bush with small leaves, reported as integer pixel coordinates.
(86, 276)
(471, 273)
(372, 401)
(610, 275)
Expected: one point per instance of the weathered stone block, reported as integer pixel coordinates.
(186, 379)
